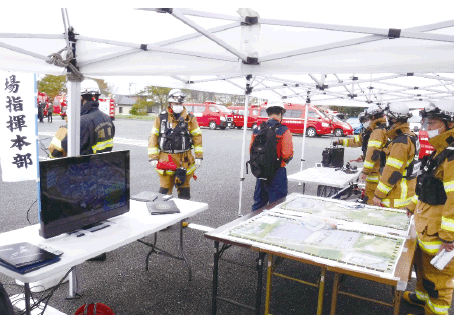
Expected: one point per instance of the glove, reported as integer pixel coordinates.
(154, 163)
(198, 162)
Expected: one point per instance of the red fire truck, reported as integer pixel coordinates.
(238, 116)
(106, 105)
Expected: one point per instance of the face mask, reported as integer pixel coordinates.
(177, 109)
(366, 124)
(432, 133)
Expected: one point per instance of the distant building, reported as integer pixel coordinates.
(123, 103)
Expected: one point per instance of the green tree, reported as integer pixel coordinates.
(140, 107)
(157, 94)
(52, 85)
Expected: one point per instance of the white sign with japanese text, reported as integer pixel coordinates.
(18, 130)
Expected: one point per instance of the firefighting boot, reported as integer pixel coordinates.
(411, 298)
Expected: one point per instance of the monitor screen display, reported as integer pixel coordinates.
(83, 190)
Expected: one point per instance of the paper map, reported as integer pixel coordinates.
(348, 211)
(314, 237)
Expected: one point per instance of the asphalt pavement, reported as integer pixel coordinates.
(122, 282)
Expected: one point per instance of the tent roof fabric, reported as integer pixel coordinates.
(215, 51)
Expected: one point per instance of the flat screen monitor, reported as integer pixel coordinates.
(83, 190)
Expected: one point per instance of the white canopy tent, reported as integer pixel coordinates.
(285, 58)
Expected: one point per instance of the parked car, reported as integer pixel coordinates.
(317, 123)
(355, 124)
(238, 116)
(340, 128)
(212, 115)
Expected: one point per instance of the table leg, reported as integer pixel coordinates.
(215, 278)
(396, 302)
(258, 296)
(335, 293)
(182, 252)
(27, 298)
(73, 284)
(321, 290)
(268, 284)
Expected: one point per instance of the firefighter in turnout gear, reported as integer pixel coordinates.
(372, 148)
(433, 210)
(96, 128)
(399, 161)
(360, 140)
(175, 133)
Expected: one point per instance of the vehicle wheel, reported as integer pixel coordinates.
(212, 125)
(311, 132)
(254, 126)
(338, 132)
(63, 117)
(222, 128)
(239, 127)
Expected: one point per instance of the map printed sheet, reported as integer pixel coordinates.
(361, 217)
(305, 231)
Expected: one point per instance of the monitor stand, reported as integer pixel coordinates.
(91, 228)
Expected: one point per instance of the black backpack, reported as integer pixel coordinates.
(263, 158)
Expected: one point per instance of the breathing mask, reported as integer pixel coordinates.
(366, 124)
(177, 109)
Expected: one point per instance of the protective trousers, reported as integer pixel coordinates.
(267, 193)
(166, 183)
(369, 191)
(432, 285)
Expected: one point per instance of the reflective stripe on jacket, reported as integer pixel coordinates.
(376, 142)
(96, 133)
(436, 223)
(394, 190)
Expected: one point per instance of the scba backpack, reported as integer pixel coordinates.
(263, 160)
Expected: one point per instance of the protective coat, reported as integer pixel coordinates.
(96, 133)
(184, 159)
(393, 189)
(371, 167)
(435, 224)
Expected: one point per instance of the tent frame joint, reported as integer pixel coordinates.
(250, 20)
(251, 61)
(394, 33)
(164, 10)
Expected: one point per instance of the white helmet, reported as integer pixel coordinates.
(398, 110)
(89, 86)
(176, 96)
(275, 103)
(362, 117)
(441, 109)
(374, 110)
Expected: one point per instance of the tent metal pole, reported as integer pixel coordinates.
(73, 114)
(308, 101)
(243, 148)
(177, 14)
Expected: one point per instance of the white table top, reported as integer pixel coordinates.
(325, 176)
(127, 228)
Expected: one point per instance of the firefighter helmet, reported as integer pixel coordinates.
(176, 96)
(89, 87)
(275, 103)
(442, 109)
(398, 111)
(374, 109)
(362, 117)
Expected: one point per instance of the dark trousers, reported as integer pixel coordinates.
(266, 193)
